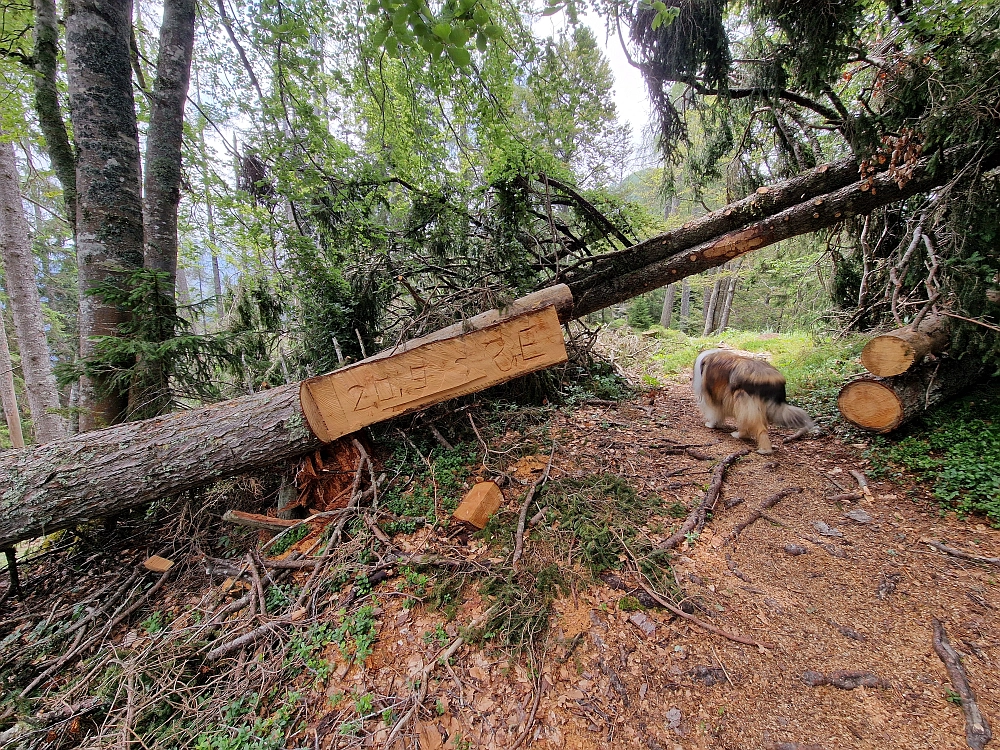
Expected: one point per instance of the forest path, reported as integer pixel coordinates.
(862, 603)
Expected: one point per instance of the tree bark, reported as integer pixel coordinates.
(713, 304)
(884, 404)
(47, 107)
(8, 398)
(109, 204)
(26, 305)
(668, 305)
(722, 235)
(150, 394)
(895, 352)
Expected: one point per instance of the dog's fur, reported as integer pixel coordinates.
(747, 390)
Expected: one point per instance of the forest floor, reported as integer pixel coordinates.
(824, 586)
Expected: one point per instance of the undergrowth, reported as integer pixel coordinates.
(956, 449)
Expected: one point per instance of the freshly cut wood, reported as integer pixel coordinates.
(883, 404)
(158, 564)
(479, 504)
(258, 521)
(357, 396)
(95, 474)
(895, 352)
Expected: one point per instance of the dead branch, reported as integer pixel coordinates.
(257, 521)
(696, 518)
(959, 553)
(701, 623)
(846, 497)
(844, 679)
(759, 513)
(522, 518)
(977, 729)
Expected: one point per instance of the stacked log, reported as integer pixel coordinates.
(907, 377)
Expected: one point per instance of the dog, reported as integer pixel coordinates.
(747, 390)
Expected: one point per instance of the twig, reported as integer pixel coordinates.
(759, 513)
(243, 640)
(701, 623)
(696, 518)
(977, 729)
(534, 711)
(425, 673)
(522, 519)
(846, 497)
(439, 437)
(971, 320)
(860, 478)
(959, 553)
(258, 585)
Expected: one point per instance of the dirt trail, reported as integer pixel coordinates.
(861, 601)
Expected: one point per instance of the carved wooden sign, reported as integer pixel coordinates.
(354, 397)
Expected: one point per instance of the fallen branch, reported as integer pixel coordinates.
(845, 497)
(257, 521)
(702, 624)
(759, 513)
(696, 519)
(977, 729)
(522, 518)
(959, 553)
(845, 679)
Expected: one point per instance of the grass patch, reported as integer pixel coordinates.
(956, 449)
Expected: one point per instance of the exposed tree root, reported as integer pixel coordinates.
(959, 553)
(696, 518)
(760, 512)
(977, 729)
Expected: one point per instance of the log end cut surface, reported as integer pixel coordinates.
(870, 405)
(888, 355)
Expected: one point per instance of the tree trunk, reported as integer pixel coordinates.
(685, 305)
(884, 404)
(895, 352)
(210, 215)
(109, 204)
(107, 471)
(150, 395)
(713, 304)
(50, 117)
(26, 305)
(8, 398)
(727, 306)
(668, 305)
(779, 212)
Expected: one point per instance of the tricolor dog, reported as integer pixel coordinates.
(747, 390)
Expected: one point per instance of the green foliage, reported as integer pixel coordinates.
(432, 483)
(357, 633)
(288, 538)
(241, 730)
(957, 450)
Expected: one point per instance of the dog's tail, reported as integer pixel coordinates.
(696, 380)
(785, 415)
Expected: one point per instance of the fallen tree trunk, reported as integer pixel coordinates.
(895, 352)
(95, 474)
(884, 404)
(711, 241)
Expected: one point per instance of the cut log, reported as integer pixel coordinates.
(479, 504)
(357, 396)
(895, 352)
(95, 474)
(883, 404)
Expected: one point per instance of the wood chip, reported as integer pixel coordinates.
(158, 564)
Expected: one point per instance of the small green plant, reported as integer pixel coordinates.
(154, 623)
(956, 450)
(280, 596)
(364, 703)
(356, 634)
(629, 604)
(437, 636)
(296, 534)
(952, 697)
